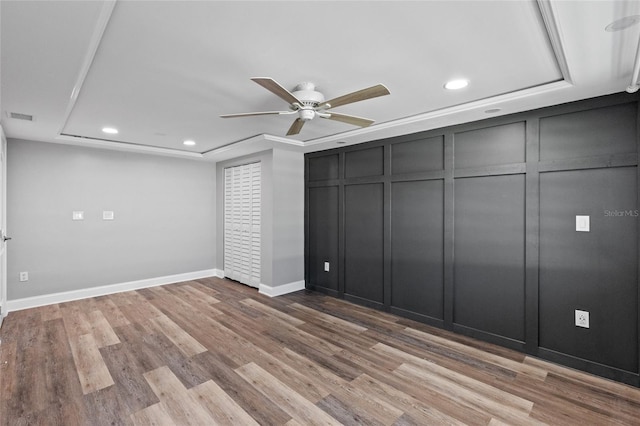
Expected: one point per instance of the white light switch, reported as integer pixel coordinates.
(78, 215)
(107, 215)
(326, 266)
(582, 223)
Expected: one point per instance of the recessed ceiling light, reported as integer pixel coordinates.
(189, 143)
(110, 130)
(456, 84)
(622, 23)
(493, 110)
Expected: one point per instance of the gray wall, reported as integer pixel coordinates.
(472, 228)
(282, 258)
(288, 217)
(165, 216)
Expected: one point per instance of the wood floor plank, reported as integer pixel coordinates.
(30, 392)
(199, 294)
(205, 286)
(417, 411)
(310, 368)
(8, 369)
(153, 415)
(434, 371)
(160, 296)
(51, 312)
(262, 409)
(92, 371)
(140, 311)
(126, 371)
(337, 337)
(500, 405)
(518, 367)
(193, 288)
(291, 334)
(120, 299)
(75, 321)
(332, 321)
(101, 330)
(370, 408)
(273, 313)
(344, 413)
(185, 342)
(290, 401)
(461, 362)
(181, 406)
(599, 400)
(136, 340)
(105, 407)
(61, 378)
(306, 385)
(111, 312)
(220, 406)
(587, 379)
(197, 301)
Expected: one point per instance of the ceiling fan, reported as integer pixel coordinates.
(308, 103)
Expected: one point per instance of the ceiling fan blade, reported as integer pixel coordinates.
(360, 95)
(296, 127)
(275, 88)
(351, 119)
(250, 114)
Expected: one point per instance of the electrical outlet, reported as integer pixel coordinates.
(582, 319)
(326, 266)
(24, 276)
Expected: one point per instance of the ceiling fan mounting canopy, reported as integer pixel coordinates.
(308, 103)
(308, 94)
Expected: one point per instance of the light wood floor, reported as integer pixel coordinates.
(215, 352)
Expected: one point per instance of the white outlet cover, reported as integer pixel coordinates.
(107, 215)
(326, 266)
(582, 223)
(78, 215)
(582, 319)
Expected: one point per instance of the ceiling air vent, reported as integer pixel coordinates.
(20, 116)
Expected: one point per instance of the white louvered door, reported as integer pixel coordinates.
(242, 207)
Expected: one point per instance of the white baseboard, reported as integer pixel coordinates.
(281, 289)
(67, 296)
(218, 273)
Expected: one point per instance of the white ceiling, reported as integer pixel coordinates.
(162, 72)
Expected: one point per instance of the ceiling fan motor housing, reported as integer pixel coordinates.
(308, 95)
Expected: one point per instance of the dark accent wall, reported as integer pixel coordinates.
(472, 228)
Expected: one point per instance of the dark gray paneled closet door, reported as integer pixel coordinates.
(489, 255)
(364, 250)
(417, 238)
(593, 271)
(323, 236)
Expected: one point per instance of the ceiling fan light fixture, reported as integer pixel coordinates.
(456, 84)
(110, 130)
(306, 114)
